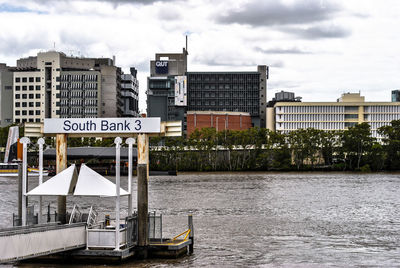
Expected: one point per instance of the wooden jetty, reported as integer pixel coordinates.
(92, 240)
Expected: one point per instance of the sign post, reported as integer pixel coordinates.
(41, 143)
(130, 142)
(25, 141)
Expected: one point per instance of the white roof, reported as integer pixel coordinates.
(67, 182)
(91, 183)
(60, 184)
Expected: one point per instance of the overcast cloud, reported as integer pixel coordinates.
(315, 48)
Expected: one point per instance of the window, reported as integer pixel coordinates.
(24, 104)
(58, 112)
(17, 112)
(37, 79)
(37, 120)
(24, 112)
(17, 120)
(17, 96)
(58, 79)
(31, 79)
(17, 88)
(37, 87)
(17, 79)
(48, 63)
(38, 104)
(58, 95)
(17, 104)
(24, 96)
(24, 79)
(58, 104)
(24, 87)
(31, 87)
(30, 112)
(30, 96)
(37, 112)
(31, 104)
(37, 96)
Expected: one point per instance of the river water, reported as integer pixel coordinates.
(265, 219)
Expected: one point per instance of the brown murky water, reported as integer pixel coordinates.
(264, 219)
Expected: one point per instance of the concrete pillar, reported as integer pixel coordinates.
(20, 191)
(142, 189)
(61, 164)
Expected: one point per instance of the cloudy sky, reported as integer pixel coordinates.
(315, 48)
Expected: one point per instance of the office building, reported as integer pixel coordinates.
(166, 86)
(218, 120)
(53, 85)
(6, 95)
(172, 91)
(230, 92)
(350, 109)
(130, 94)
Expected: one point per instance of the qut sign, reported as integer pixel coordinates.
(161, 67)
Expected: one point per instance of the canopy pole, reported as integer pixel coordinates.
(130, 142)
(25, 141)
(41, 143)
(61, 164)
(117, 142)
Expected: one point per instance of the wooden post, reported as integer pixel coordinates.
(61, 164)
(191, 234)
(19, 194)
(142, 190)
(25, 141)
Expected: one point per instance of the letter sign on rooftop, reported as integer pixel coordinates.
(102, 125)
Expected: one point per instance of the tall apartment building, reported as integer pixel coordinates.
(349, 110)
(230, 91)
(130, 94)
(6, 95)
(53, 85)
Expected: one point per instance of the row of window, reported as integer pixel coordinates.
(79, 77)
(243, 87)
(224, 102)
(223, 94)
(382, 109)
(26, 79)
(78, 94)
(27, 104)
(27, 96)
(224, 77)
(25, 112)
(79, 111)
(18, 88)
(78, 86)
(79, 102)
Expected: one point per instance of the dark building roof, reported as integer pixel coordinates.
(90, 152)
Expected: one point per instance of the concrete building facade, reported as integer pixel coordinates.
(6, 95)
(350, 109)
(130, 94)
(218, 120)
(53, 85)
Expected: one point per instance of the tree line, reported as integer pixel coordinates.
(261, 149)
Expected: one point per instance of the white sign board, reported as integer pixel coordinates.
(102, 125)
(180, 90)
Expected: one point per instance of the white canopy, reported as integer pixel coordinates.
(91, 183)
(67, 182)
(60, 184)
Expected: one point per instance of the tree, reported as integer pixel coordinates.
(391, 141)
(355, 142)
